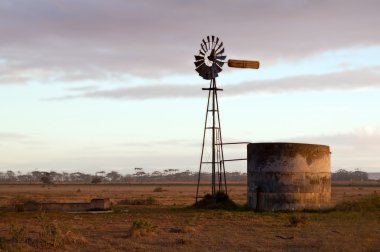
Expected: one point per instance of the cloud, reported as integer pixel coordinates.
(92, 39)
(84, 88)
(350, 150)
(357, 79)
(7, 136)
(9, 140)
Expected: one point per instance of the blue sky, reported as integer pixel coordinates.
(89, 86)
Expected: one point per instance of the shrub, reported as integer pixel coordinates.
(221, 200)
(141, 228)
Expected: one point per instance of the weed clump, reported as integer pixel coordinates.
(17, 233)
(141, 228)
(158, 189)
(221, 200)
(296, 220)
(50, 233)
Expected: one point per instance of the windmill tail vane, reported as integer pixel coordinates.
(208, 63)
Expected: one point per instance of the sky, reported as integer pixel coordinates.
(90, 85)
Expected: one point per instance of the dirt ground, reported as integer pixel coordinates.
(161, 220)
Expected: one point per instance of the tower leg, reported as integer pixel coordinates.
(218, 174)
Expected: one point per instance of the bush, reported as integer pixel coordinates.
(221, 200)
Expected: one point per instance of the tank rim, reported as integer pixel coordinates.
(285, 143)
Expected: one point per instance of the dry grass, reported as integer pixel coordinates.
(159, 189)
(173, 226)
(141, 228)
(144, 201)
(49, 235)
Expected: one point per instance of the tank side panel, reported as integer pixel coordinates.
(289, 201)
(287, 176)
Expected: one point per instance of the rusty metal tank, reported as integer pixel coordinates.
(288, 176)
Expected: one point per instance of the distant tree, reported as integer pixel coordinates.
(139, 173)
(113, 176)
(46, 180)
(80, 177)
(96, 180)
(344, 175)
(358, 175)
(36, 176)
(11, 176)
(156, 173)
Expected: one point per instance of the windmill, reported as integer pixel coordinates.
(209, 63)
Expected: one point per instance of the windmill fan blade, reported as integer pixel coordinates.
(220, 52)
(198, 63)
(213, 38)
(214, 72)
(204, 50)
(217, 41)
(218, 69)
(221, 57)
(197, 57)
(209, 42)
(204, 71)
(220, 46)
(206, 75)
(201, 53)
(204, 42)
(220, 63)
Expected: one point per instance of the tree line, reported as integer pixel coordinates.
(344, 175)
(140, 176)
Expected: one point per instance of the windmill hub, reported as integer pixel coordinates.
(212, 56)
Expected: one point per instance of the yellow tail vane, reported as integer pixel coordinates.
(244, 64)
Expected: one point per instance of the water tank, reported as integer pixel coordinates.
(288, 176)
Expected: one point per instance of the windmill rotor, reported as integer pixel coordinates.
(211, 58)
(209, 61)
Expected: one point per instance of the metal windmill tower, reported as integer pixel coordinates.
(209, 63)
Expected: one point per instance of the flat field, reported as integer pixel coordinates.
(158, 217)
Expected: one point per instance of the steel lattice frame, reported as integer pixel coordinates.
(208, 64)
